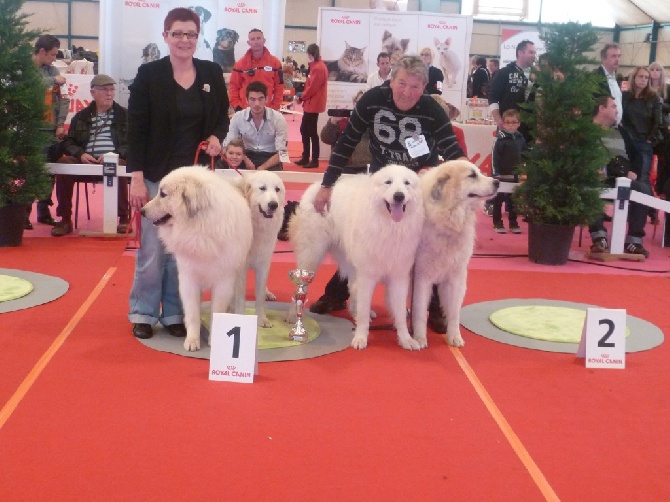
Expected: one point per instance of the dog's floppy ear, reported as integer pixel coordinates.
(404, 43)
(235, 36)
(387, 34)
(194, 200)
(436, 191)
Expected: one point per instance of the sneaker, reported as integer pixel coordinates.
(62, 228)
(599, 245)
(325, 305)
(488, 208)
(499, 229)
(635, 248)
(515, 229)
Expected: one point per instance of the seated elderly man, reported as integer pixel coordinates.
(99, 128)
(263, 130)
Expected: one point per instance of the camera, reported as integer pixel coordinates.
(339, 112)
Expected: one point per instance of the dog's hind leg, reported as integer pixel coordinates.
(397, 290)
(222, 295)
(452, 292)
(364, 287)
(422, 292)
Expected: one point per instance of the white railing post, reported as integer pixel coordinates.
(110, 182)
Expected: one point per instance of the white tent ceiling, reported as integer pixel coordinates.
(636, 12)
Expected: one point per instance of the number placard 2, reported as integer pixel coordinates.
(233, 348)
(603, 343)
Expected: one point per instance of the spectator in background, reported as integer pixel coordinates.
(99, 128)
(641, 123)
(313, 98)
(480, 79)
(263, 130)
(610, 56)
(289, 71)
(57, 106)
(383, 72)
(435, 75)
(175, 103)
(257, 64)
(493, 66)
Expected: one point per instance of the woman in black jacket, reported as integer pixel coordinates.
(175, 104)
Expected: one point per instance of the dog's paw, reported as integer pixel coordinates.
(455, 340)
(409, 343)
(421, 340)
(191, 344)
(290, 318)
(269, 296)
(264, 323)
(359, 342)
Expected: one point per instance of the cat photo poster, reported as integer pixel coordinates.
(347, 53)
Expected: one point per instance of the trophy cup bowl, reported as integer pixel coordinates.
(301, 278)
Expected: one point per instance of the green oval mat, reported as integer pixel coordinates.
(276, 336)
(12, 287)
(541, 322)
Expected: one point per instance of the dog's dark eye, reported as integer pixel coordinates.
(388, 182)
(262, 188)
(408, 182)
(162, 193)
(473, 174)
(277, 189)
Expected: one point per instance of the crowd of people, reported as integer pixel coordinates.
(179, 106)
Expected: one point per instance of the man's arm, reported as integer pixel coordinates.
(234, 129)
(495, 94)
(234, 87)
(278, 86)
(281, 131)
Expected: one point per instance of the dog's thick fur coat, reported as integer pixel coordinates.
(205, 223)
(265, 194)
(372, 229)
(452, 193)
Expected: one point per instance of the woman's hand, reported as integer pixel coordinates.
(139, 195)
(213, 146)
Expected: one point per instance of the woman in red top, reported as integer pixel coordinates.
(313, 102)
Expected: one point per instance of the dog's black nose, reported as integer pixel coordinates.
(496, 183)
(398, 197)
(273, 205)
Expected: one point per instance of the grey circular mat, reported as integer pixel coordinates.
(46, 288)
(643, 334)
(336, 334)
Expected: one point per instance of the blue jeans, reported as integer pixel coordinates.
(641, 159)
(155, 292)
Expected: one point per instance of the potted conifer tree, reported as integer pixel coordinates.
(23, 173)
(561, 187)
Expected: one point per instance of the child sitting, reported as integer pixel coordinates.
(506, 156)
(234, 153)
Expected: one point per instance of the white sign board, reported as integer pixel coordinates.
(603, 343)
(233, 348)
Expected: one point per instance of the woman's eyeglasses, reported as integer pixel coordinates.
(191, 35)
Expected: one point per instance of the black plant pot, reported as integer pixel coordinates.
(549, 244)
(12, 219)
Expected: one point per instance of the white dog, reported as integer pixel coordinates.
(205, 222)
(452, 193)
(449, 61)
(372, 229)
(265, 194)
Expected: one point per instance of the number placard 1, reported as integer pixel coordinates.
(233, 348)
(603, 343)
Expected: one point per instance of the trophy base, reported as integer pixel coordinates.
(298, 334)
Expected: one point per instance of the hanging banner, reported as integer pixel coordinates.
(350, 41)
(131, 33)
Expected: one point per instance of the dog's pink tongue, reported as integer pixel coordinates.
(397, 212)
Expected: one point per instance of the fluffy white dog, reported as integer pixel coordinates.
(265, 195)
(205, 222)
(452, 192)
(372, 229)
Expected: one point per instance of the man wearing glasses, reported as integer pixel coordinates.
(99, 128)
(257, 64)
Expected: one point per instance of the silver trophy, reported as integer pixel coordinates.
(300, 278)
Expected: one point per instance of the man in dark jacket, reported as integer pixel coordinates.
(99, 128)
